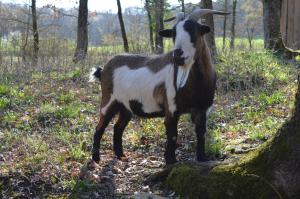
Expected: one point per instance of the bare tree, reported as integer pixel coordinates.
(209, 20)
(24, 36)
(82, 31)
(253, 11)
(122, 26)
(271, 12)
(233, 24)
(148, 6)
(182, 5)
(35, 32)
(224, 23)
(250, 33)
(159, 25)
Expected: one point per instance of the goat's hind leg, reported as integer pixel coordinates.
(123, 120)
(102, 124)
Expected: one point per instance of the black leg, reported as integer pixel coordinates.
(171, 130)
(124, 118)
(102, 124)
(200, 129)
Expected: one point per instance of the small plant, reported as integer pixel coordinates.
(270, 100)
(4, 103)
(67, 98)
(47, 108)
(50, 111)
(69, 111)
(75, 74)
(214, 143)
(4, 90)
(76, 153)
(10, 118)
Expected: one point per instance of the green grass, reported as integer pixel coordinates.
(214, 143)
(240, 43)
(50, 110)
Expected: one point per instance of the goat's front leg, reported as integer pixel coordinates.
(171, 121)
(200, 128)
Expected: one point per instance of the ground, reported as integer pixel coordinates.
(47, 122)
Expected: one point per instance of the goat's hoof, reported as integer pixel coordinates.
(92, 165)
(119, 155)
(172, 161)
(96, 158)
(123, 158)
(202, 158)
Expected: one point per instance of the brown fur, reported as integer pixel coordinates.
(159, 94)
(203, 57)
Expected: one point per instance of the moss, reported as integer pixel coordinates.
(245, 179)
(250, 178)
(197, 182)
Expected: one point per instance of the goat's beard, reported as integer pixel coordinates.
(179, 61)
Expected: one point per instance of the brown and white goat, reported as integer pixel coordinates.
(168, 85)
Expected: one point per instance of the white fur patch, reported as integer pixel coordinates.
(208, 111)
(183, 42)
(104, 109)
(139, 84)
(92, 77)
(182, 76)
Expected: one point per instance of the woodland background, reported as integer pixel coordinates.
(48, 110)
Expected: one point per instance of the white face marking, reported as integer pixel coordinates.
(139, 84)
(183, 42)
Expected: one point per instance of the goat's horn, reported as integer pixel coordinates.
(196, 14)
(179, 16)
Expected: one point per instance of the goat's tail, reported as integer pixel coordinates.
(95, 74)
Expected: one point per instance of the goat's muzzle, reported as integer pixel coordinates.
(177, 57)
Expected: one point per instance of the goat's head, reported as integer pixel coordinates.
(186, 32)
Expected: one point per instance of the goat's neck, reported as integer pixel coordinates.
(203, 60)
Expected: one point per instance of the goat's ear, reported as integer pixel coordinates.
(166, 33)
(203, 29)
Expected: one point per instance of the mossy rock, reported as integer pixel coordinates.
(197, 182)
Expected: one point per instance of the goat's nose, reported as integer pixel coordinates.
(177, 52)
(177, 57)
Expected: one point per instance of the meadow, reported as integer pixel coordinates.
(48, 114)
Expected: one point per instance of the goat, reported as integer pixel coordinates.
(168, 85)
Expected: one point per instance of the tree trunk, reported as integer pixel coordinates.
(125, 41)
(82, 32)
(159, 25)
(233, 24)
(271, 12)
(35, 32)
(25, 38)
(150, 23)
(250, 33)
(271, 171)
(209, 20)
(182, 6)
(224, 23)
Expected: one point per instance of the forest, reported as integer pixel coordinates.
(246, 147)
